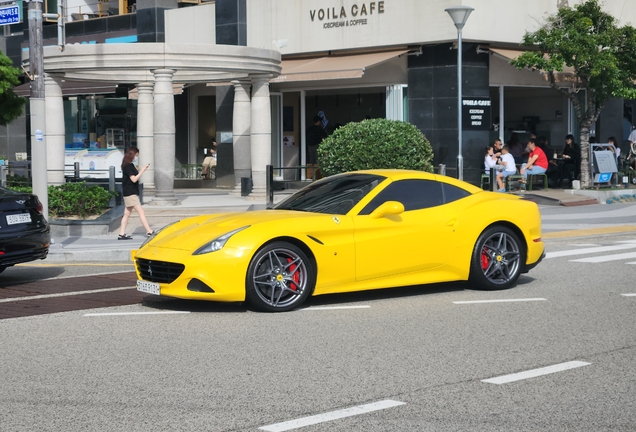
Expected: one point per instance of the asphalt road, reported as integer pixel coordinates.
(406, 359)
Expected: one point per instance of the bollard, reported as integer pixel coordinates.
(269, 185)
(493, 179)
(76, 170)
(111, 184)
(442, 169)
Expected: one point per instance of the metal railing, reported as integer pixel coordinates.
(312, 170)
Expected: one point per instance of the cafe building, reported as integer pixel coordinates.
(343, 60)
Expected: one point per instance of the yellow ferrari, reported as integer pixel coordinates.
(349, 232)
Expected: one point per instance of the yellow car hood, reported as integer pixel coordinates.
(192, 233)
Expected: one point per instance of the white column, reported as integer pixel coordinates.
(241, 121)
(261, 134)
(164, 145)
(145, 135)
(55, 136)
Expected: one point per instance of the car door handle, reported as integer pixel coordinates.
(451, 222)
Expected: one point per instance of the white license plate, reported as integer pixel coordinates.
(148, 287)
(18, 218)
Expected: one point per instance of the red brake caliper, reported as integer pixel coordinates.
(295, 277)
(485, 260)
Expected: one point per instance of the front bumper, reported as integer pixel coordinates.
(222, 271)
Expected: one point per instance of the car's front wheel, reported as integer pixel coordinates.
(497, 259)
(280, 277)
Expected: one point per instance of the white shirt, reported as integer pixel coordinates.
(509, 161)
(632, 136)
(489, 162)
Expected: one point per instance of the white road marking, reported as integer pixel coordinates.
(333, 308)
(499, 301)
(36, 297)
(334, 415)
(535, 372)
(631, 263)
(606, 258)
(589, 250)
(135, 313)
(629, 295)
(585, 245)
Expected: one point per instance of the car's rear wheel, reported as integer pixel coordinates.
(497, 259)
(280, 277)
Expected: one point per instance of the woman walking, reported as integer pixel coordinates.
(130, 186)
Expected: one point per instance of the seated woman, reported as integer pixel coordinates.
(571, 159)
(490, 160)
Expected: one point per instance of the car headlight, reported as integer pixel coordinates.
(154, 234)
(217, 243)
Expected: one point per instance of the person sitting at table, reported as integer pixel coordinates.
(614, 148)
(209, 163)
(496, 147)
(537, 161)
(490, 160)
(571, 159)
(508, 162)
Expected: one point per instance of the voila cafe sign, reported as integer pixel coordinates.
(356, 15)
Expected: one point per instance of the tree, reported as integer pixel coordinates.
(373, 144)
(10, 103)
(602, 54)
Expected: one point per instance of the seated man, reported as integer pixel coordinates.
(508, 162)
(537, 161)
(209, 162)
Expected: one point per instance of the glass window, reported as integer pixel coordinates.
(413, 194)
(453, 193)
(333, 195)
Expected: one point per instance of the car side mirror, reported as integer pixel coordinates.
(387, 208)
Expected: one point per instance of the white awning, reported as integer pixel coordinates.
(566, 75)
(332, 67)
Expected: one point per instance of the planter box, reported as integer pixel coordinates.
(103, 225)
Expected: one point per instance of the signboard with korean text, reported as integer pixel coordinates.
(476, 114)
(10, 15)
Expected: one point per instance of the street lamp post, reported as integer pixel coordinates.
(37, 106)
(459, 15)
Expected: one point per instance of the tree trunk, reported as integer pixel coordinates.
(586, 180)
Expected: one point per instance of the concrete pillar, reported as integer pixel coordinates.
(145, 135)
(55, 136)
(261, 134)
(241, 121)
(164, 144)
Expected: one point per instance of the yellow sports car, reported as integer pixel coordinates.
(349, 232)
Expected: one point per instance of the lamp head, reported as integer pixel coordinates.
(459, 15)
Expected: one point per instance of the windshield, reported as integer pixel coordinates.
(334, 195)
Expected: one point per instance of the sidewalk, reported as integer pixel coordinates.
(106, 248)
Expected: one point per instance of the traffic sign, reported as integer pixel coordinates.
(9, 15)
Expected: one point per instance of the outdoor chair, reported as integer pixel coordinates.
(531, 179)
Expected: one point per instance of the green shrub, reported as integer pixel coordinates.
(375, 144)
(16, 181)
(75, 199)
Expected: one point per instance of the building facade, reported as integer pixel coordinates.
(344, 60)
